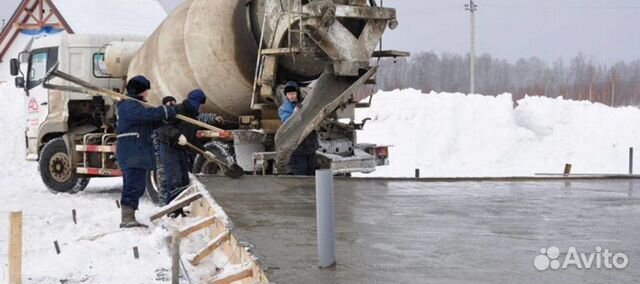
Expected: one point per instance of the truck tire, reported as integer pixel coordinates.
(155, 178)
(153, 186)
(55, 171)
(221, 150)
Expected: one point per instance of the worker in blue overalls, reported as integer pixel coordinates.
(134, 145)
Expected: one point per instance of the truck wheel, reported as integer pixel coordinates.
(221, 151)
(55, 169)
(155, 178)
(153, 186)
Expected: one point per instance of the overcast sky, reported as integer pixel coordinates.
(608, 30)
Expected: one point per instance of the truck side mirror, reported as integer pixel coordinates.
(14, 66)
(19, 81)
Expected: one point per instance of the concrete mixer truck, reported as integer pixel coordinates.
(240, 53)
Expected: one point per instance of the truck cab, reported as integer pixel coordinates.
(56, 119)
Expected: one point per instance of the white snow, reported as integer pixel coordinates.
(441, 134)
(456, 135)
(94, 250)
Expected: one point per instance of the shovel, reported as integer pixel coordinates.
(93, 90)
(232, 171)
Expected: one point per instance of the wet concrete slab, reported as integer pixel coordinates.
(437, 232)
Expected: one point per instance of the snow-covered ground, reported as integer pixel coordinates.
(457, 135)
(441, 134)
(94, 250)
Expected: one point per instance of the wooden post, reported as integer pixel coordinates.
(417, 173)
(117, 203)
(73, 214)
(567, 169)
(15, 248)
(175, 258)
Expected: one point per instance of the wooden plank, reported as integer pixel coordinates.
(210, 248)
(173, 206)
(15, 247)
(248, 272)
(37, 26)
(197, 226)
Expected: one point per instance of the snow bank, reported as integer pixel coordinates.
(445, 134)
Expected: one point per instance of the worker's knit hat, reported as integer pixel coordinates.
(291, 86)
(137, 85)
(195, 99)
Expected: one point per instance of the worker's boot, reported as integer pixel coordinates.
(180, 212)
(129, 218)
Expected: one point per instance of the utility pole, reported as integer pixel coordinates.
(472, 7)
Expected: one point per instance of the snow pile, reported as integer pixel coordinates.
(445, 134)
(12, 145)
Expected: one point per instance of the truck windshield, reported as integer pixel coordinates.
(38, 68)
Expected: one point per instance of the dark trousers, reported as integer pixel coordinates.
(134, 182)
(303, 165)
(175, 163)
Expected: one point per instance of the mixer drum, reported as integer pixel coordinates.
(205, 44)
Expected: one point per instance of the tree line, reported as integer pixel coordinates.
(580, 78)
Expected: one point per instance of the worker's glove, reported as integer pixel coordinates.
(209, 156)
(182, 141)
(219, 120)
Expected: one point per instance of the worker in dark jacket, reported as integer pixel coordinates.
(303, 158)
(134, 146)
(173, 138)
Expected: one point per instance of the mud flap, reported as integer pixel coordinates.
(329, 92)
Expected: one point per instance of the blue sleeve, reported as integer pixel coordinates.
(285, 111)
(137, 112)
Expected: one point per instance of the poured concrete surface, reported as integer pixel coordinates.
(440, 232)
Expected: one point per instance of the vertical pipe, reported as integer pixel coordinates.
(324, 213)
(567, 169)
(631, 160)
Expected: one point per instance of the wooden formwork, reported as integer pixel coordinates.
(220, 240)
